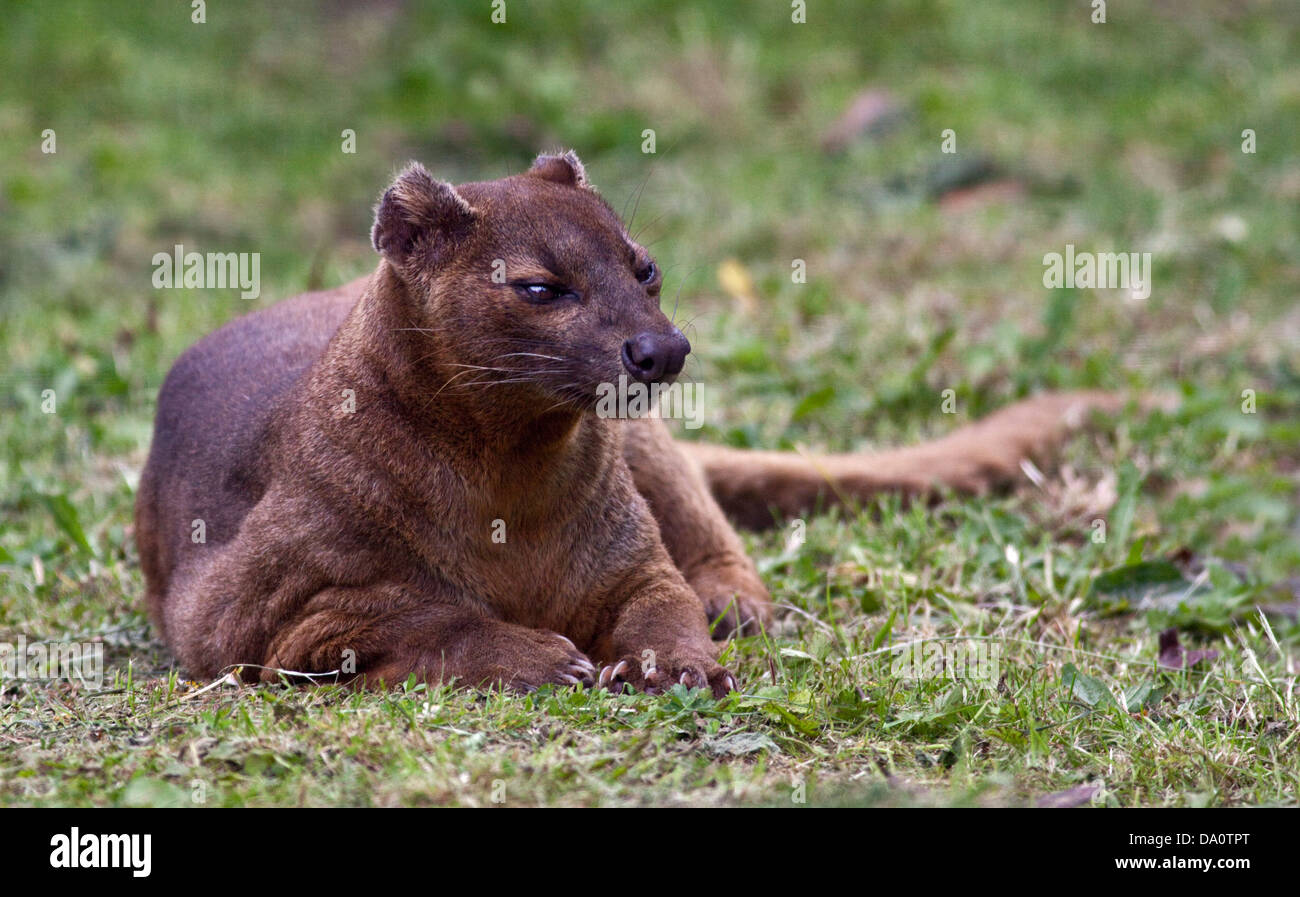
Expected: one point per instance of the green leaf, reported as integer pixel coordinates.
(65, 516)
(948, 759)
(147, 792)
(1130, 480)
(739, 744)
(812, 402)
(1144, 694)
(848, 705)
(1121, 588)
(884, 631)
(1086, 689)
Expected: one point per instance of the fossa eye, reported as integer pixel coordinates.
(542, 293)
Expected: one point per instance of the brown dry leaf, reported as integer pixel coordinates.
(1174, 656)
(981, 195)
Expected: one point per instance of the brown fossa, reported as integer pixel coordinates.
(406, 475)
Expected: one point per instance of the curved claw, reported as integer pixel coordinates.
(583, 670)
(610, 674)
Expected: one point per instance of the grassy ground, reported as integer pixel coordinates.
(1124, 136)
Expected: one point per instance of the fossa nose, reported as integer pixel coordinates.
(651, 357)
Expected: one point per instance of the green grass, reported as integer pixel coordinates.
(1126, 136)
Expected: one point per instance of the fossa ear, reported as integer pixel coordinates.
(562, 168)
(419, 219)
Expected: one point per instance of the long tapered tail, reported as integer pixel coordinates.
(758, 488)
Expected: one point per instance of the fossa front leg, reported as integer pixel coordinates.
(695, 532)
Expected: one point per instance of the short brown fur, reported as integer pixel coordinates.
(349, 455)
